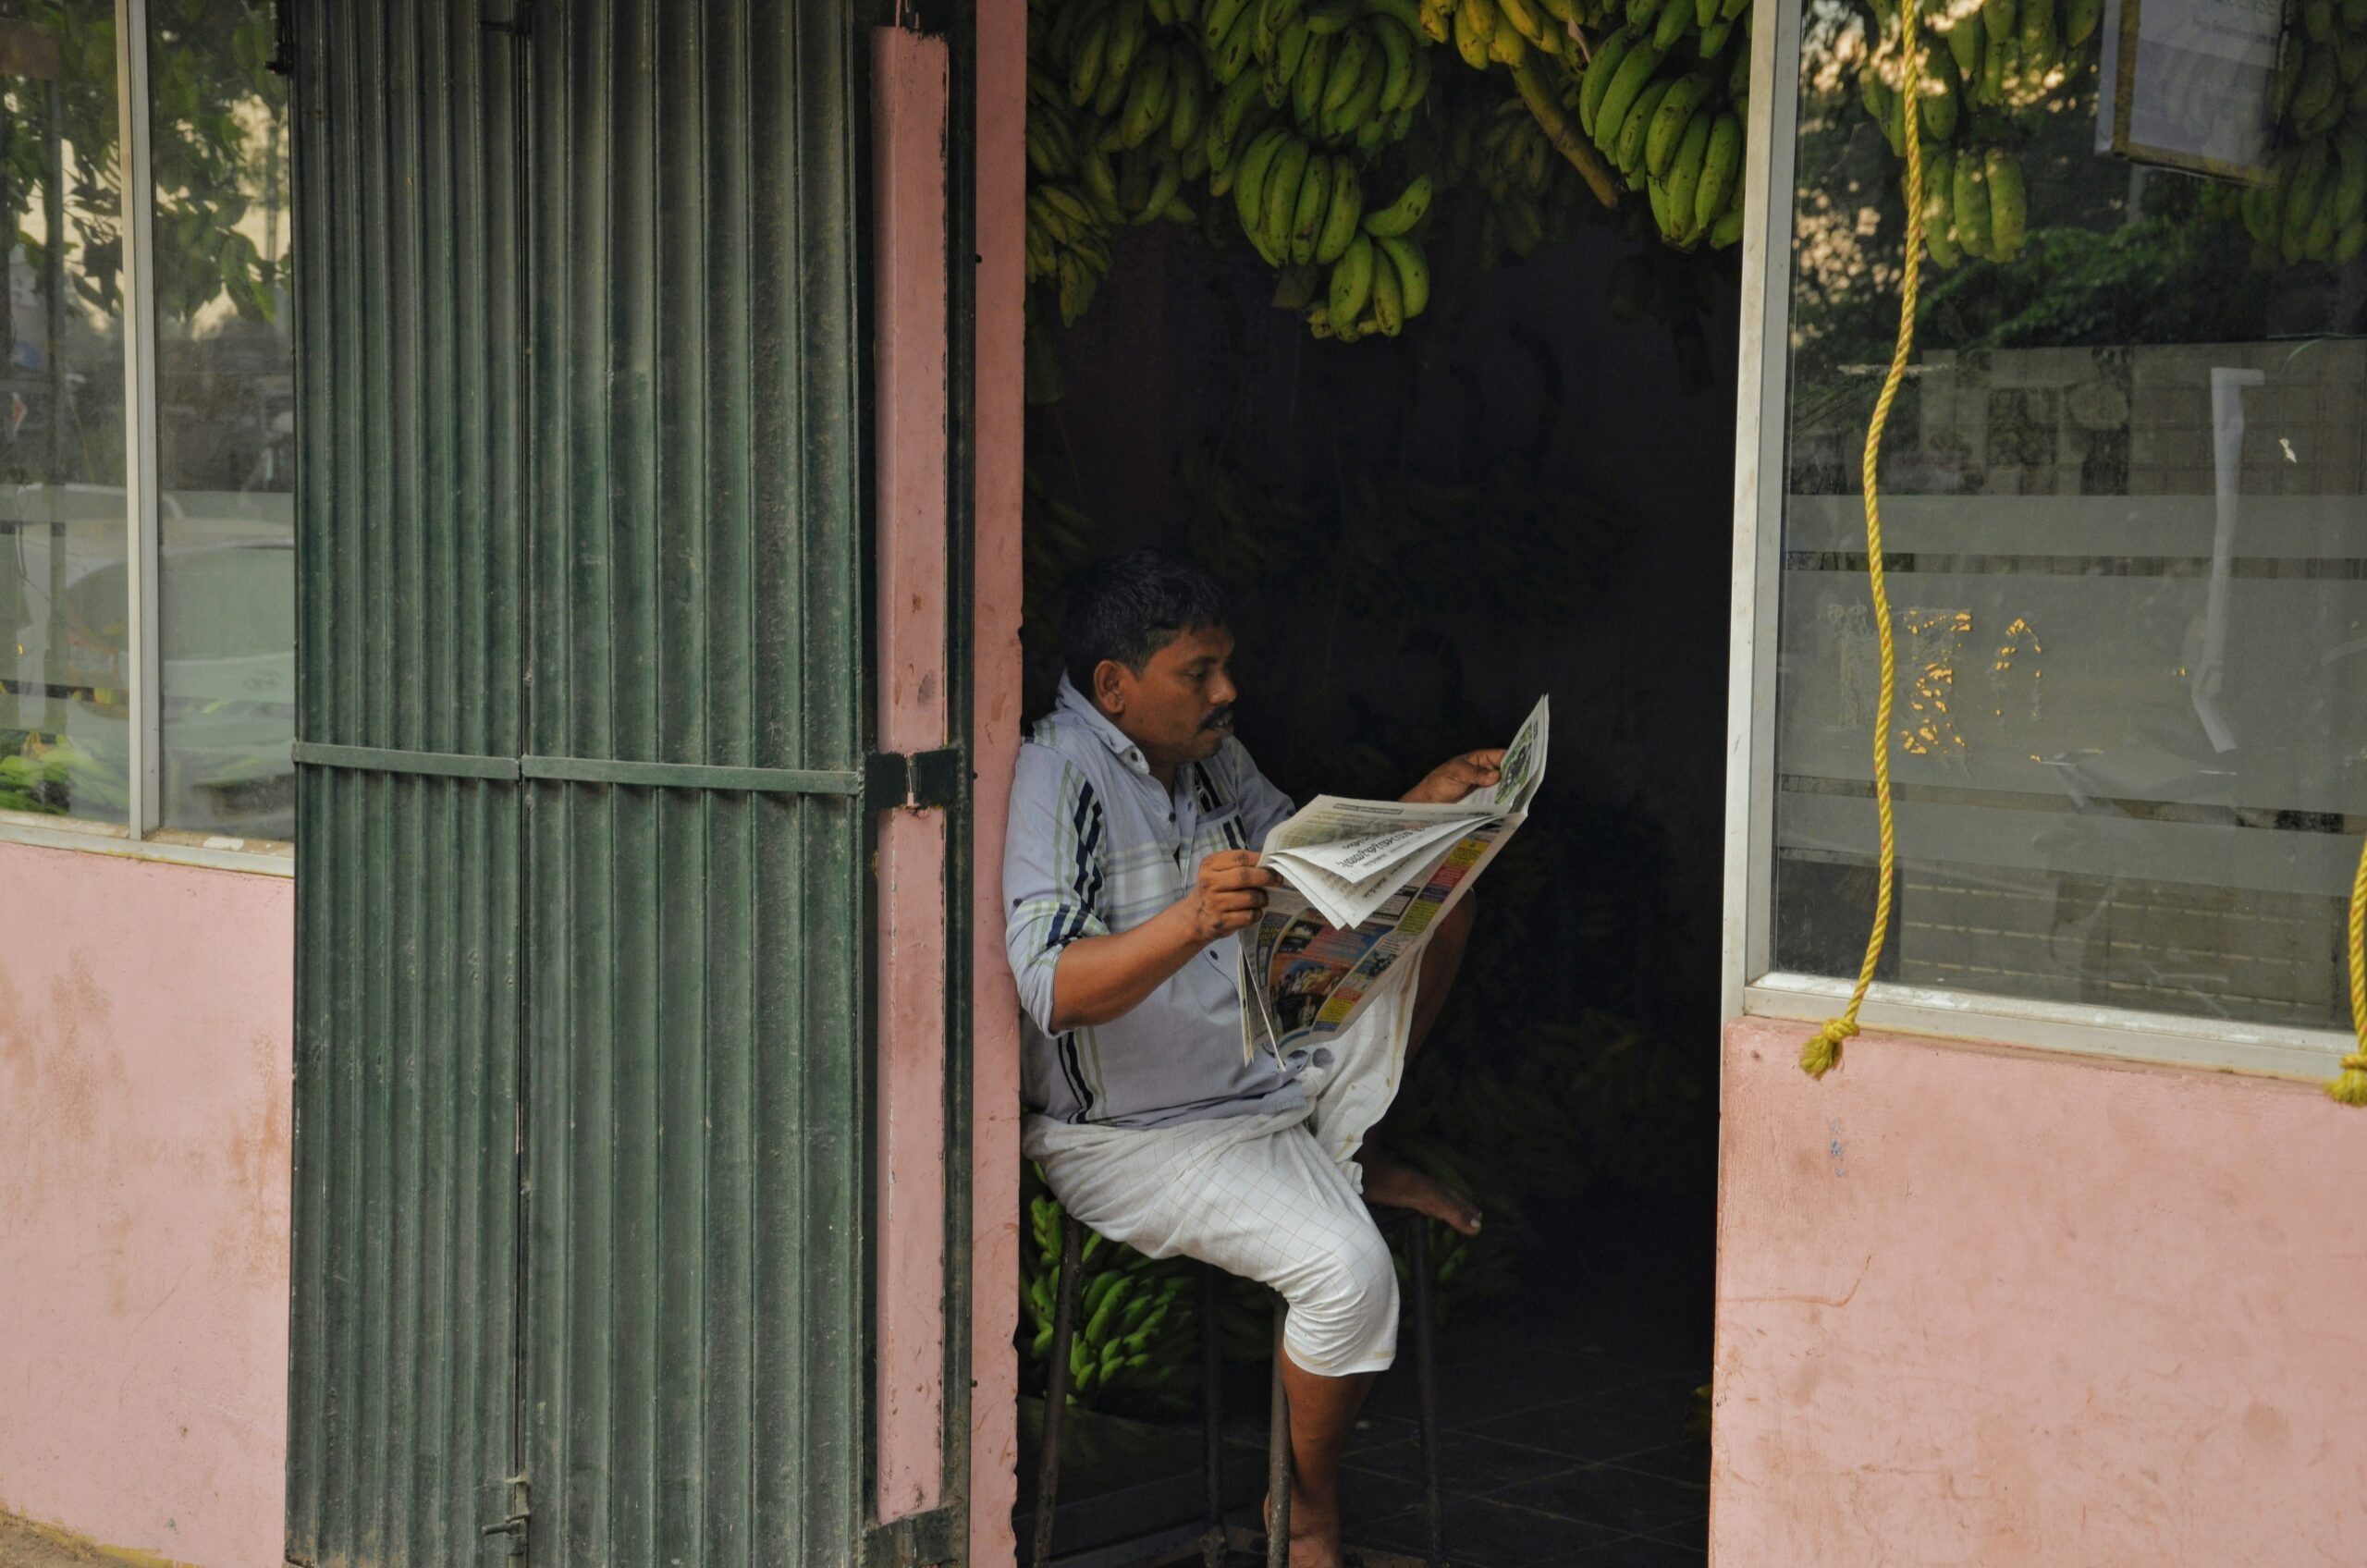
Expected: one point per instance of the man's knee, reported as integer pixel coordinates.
(1346, 1314)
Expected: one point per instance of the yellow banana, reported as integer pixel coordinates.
(1387, 295)
(1403, 213)
(1283, 176)
(1351, 283)
(1339, 218)
(1412, 268)
(1397, 45)
(1721, 165)
(1149, 95)
(1085, 66)
(1309, 210)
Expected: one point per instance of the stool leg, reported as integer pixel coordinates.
(1278, 1457)
(1212, 1544)
(1426, 1370)
(1056, 1397)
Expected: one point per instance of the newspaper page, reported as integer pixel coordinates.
(1365, 882)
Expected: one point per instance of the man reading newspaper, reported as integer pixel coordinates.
(1132, 866)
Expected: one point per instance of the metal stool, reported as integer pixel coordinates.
(1213, 1540)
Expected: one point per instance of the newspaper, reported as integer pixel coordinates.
(1363, 883)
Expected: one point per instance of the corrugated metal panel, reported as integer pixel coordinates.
(403, 1376)
(694, 1294)
(670, 1341)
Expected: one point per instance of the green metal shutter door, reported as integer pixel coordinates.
(694, 1302)
(581, 517)
(402, 1382)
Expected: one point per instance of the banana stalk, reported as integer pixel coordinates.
(1546, 105)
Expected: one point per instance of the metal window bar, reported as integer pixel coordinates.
(142, 554)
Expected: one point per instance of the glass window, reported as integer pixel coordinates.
(224, 417)
(65, 714)
(2128, 544)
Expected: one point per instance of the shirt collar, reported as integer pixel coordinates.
(1075, 702)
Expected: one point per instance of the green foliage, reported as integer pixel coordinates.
(213, 107)
(58, 777)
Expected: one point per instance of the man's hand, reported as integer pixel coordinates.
(1457, 777)
(1229, 894)
(1099, 978)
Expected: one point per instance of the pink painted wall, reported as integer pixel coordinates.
(1984, 1306)
(145, 1029)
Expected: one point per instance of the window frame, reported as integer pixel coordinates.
(141, 833)
(1748, 984)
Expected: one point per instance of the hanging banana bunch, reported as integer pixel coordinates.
(2315, 210)
(1981, 64)
(1295, 122)
(1665, 100)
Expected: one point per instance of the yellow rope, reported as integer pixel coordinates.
(1822, 1052)
(2350, 1086)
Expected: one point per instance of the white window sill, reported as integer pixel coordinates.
(2212, 1044)
(267, 857)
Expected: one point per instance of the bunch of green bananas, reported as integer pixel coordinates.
(1974, 66)
(2316, 210)
(1348, 72)
(2003, 55)
(1663, 99)
(1304, 210)
(1136, 1323)
(2311, 211)
(1504, 32)
(1975, 204)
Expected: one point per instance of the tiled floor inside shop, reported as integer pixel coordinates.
(1569, 1432)
(1557, 1448)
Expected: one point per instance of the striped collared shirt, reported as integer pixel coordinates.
(1097, 845)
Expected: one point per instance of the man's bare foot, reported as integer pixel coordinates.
(1394, 1185)
(1315, 1532)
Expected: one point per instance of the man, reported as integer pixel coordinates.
(1132, 861)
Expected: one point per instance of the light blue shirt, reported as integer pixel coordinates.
(1098, 846)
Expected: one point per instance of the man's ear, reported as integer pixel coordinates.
(1111, 681)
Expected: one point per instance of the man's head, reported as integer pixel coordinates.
(1146, 642)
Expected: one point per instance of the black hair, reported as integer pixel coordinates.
(1130, 607)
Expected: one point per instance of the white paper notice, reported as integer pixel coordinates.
(2185, 85)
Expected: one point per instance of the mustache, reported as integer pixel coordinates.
(1220, 719)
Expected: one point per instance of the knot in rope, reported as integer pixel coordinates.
(1822, 1053)
(2350, 1088)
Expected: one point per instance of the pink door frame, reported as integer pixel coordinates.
(999, 432)
(910, 174)
(909, 108)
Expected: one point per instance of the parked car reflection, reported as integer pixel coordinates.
(228, 630)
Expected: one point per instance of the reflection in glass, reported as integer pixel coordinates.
(2125, 516)
(225, 412)
(65, 741)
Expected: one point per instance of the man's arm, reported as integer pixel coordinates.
(1457, 777)
(1101, 978)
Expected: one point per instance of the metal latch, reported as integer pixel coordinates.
(918, 780)
(514, 1499)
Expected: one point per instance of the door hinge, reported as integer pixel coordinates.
(920, 780)
(919, 1541)
(513, 1498)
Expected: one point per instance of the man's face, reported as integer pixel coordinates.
(1179, 708)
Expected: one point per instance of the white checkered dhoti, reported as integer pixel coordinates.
(1273, 1198)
